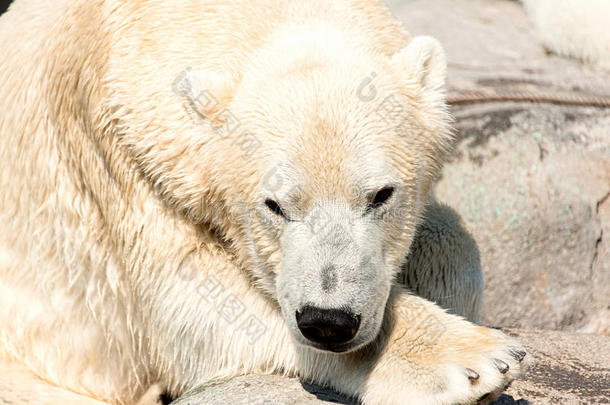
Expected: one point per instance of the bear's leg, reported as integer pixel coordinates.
(428, 356)
(443, 264)
(20, 386)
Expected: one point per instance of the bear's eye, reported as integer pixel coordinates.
(381, 197)
(274, 207)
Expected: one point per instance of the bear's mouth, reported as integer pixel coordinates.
(338, 348)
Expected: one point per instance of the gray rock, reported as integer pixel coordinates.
(261, 390)
(491, 44)
(570, 369)
(530, 180)
(532, 183)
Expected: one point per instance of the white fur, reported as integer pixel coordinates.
(574, 28)
(131, 223)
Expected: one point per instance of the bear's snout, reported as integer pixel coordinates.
(327, 327)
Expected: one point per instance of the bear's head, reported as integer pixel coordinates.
(331, 163)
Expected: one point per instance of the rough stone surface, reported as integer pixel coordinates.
(530, 180)
(492, 44)
(570, 369)
(261, 390)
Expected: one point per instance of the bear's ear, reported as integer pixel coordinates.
(424, 58)
(204, 92)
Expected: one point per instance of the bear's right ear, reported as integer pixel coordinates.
(204, 92)
(424, 58)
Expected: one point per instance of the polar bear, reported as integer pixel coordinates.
(198, 190)
(575, 28)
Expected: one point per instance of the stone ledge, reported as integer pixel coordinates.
(570, 369)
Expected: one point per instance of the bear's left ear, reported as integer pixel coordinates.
(424, 58)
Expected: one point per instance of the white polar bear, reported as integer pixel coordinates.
(196, 190)
(575, 28)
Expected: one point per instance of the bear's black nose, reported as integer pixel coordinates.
(328, 327)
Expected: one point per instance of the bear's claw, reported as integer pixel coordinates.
(472, 375)
(519, 355)
(501, 365)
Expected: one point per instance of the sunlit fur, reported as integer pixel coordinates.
(119, 200)
(574, 28)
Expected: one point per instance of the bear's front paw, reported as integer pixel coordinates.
(461, 364)
(478, 372)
